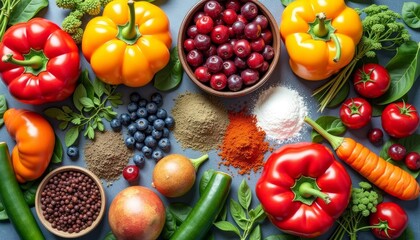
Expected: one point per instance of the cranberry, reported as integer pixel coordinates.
(131, 173)
(198, 15)
(262, 21)
(264, 67)
(238, 27)
(242, 48)
(268, 52)
(213, 8)
(211, 51)
(233, 4)
(219, 21)
(231, 32)
(241, 18)
(249, 10)
(214, 64)
(192, 31)
(234, 82)
(218, 81)
(267, 35)
(229, 16)
(189, 44)
(202, 42)
(202, 74)
(412, 161)
(252, 30)
(229, 68)
(225, 51)
(204, 24)
(376, 136)
(240, 63)
(250, 76)
(195, 58)
(220, 34)
(397, 152)
(258, 45)
(255, 60)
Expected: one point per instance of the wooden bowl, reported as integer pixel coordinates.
(227, 93)
(38, 201)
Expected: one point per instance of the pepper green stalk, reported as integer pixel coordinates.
(7, 7)
(381, 31)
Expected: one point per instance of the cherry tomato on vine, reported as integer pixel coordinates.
(400, 119)
(371, 80)
(391, 219)
(355, 112)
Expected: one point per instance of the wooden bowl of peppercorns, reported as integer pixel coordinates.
(70, 201)
(229, 48)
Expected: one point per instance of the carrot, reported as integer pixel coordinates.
(386, 176)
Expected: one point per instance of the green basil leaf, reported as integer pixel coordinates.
(99, 87)
(404, 69)
(244, 195)
(227, 227)
(408, 234)
(57, 156)
(71, 136)
(170, 225)
(282, 237)
(87, 83)
(331, 124)
(29, 194)
(238, 214)
(205, 179)
(3, 108)
(79, 92)
(256, 233)
(286, 2)
(90, 132)
(180, 211)
(3, 215)
(171, 75)
(25, 10)
(86, 102)
(411, 14)
(259, 214)
(110, 236)
(63, 125)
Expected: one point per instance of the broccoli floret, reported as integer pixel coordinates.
(68, 4)
(71, 23)
(77, 36)
(91, 7)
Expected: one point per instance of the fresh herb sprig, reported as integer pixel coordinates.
(381, 31)
(90, 100)
(247, 219)
(3, 108)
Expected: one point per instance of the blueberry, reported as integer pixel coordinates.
(149, 129)
(132, 107)
(165, 133)
(139, 146)
(143, 102)
(151, 107)
(73, 152)
(159, 124)
(135, 97)
(169, 122)
(142, 124)
(157, 155)
(157, 98)
(139, 160)
(150, 142)
(125, 119)
(152, 118)
(164, 144)
(156, 134)
(161, 113)
(116, 124)
(130, 142)
(133, 116)
(139, 136)
(147, 151)
(131, 129)
(142, 112)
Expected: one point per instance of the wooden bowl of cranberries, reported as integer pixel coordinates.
(229, 48)
(70, 201)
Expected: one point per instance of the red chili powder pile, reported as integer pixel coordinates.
(244, 144)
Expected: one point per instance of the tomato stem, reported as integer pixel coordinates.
(333, 140)
(196, 162)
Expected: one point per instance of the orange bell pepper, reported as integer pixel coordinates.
(129, 43)
(320, 36)
(35, 140)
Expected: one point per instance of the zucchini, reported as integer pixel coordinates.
(11, 196)
(206, 210)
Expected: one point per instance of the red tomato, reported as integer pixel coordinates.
(393, 219)
(371, 80)
(400, 119)
(355, 113)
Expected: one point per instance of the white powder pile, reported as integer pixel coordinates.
(280, 112)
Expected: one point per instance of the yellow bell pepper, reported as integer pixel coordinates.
(320, 36)
(129, 43)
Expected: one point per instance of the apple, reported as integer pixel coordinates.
(136, 213)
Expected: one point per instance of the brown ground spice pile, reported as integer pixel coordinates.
(200, 121)
(107, 155)
(244, 143)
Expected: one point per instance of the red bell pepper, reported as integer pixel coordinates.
(40, 62)
(303, 189)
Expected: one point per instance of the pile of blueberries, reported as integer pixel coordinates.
(148, 126)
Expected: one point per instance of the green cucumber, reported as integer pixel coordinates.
(11, 196)
(205, 211)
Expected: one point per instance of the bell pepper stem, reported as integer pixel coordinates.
(129, 31)
(196, 162)
(306, 190)
(333, 140)
(34, 62)
(319, 29)
(337, 46)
